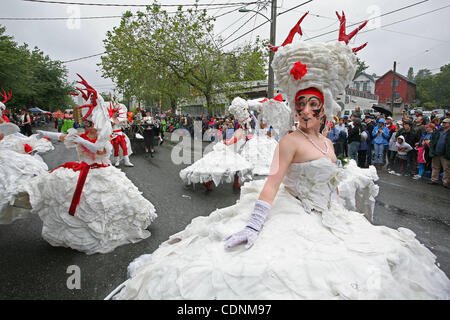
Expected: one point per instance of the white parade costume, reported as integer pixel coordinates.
(220, 166)
(110, 211)
(19, 162)
(223, 164)
(260, 148)
(120, 141)
(325, 253)
(310, 245)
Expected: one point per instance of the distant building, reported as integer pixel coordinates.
(404, 90)
(364, 82)
(196, 106)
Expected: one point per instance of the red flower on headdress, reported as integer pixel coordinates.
(27, 148)
(298, 70)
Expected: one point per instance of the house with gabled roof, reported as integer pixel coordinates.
(404, 90)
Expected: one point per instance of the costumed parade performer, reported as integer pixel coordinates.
(19, 162)
(6, 96)
(260, 147)
(223, 164)
(290, 236)
(89, 205)
(120, 141)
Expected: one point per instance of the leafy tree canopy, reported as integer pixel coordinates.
(34, 79)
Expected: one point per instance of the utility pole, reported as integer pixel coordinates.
(393, 88)
(273, 24)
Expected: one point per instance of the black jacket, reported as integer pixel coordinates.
(354, 134)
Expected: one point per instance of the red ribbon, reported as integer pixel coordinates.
(84, 168)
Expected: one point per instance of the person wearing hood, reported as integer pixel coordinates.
(380, 139)
(402, 153)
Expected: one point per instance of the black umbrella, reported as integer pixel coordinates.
(382, 109)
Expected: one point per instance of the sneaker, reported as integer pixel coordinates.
(417, 176)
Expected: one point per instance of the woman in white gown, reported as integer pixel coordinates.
(90, 205)
(300, 240)
(19, 162)
(223, 164)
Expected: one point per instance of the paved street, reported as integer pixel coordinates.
(32, 269)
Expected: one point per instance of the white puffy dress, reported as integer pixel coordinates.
(220, 165)
(310, 247)
(259, 151)
(111, 211)
(16, 168)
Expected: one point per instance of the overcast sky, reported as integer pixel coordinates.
(421, 42)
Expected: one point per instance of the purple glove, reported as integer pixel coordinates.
(251, 230)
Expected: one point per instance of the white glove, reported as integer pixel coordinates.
(49, 134)
(251, 230)
(89, 145)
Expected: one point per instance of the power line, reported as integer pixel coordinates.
(239, 28)
(382, 15)
(84, 18)
(265, 23)
(138, 5)
(82, 58)
(415, 35)
(236, 21)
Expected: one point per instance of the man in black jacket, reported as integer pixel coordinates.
(440, 154)
(354, 139)
(411, 138)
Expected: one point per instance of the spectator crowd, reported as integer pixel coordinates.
(415, 146)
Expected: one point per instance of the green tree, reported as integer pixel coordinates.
(157, 56)
(441, 86)
(361, 67)
(34, 79)
(422, 73)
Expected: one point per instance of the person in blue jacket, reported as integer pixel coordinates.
(380, 136)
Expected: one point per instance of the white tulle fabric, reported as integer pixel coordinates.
(259, 151)
(220, 165)
(276, 114)
(329, 254)
(358, 189)
(239, 109)
(111, 212)
(16, 169)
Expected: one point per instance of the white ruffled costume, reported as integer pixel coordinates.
(220, 165)
(224, 161)
(312, 248)
(111, 211)
(17, 167)
(260, 149)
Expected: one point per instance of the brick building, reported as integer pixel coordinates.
(404, 90)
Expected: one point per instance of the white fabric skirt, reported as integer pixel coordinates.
(337, 254)
(111, 212)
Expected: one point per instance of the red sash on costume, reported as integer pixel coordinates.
(84, 168)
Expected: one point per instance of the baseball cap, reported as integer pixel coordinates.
(430, 125)
(447, 120)
(389, 118)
